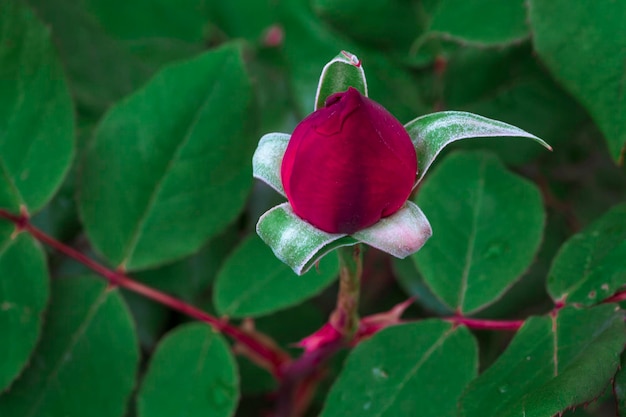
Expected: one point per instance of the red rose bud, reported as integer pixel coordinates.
(348, 164)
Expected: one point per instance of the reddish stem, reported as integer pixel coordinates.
(271, 356)
(481, 324)
(617, 297)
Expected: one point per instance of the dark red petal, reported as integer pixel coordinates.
(348, 164)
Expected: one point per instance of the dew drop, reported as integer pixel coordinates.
(605, 287)
(528, 358)
(495, 250)
(367, 405)
(221, 394)
(379, 373)
(503, 389)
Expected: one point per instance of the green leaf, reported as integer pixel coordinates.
(578, 44)
(310, 44)
(88, 348)
(590, 265)
(553, 363)
(36, 114)
(341, 72)
(483, 22)
(23, 297)
(268, 159)
(169, 166)
(619, 387)
(296, 242)
(384, 23)
(486, 238)
(509, 84)
(419, 366)
(192, 373)
(411, 281)
(433, 132)
(100, 69)
(252, 282)
(142, 19)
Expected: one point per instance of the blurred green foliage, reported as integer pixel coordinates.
(127, 129)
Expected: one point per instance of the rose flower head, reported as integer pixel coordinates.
(349, 167)
(348, 164)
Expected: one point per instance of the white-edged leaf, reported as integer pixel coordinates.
(433, 132)
(294, 241)
(268, 158)
(401, 234)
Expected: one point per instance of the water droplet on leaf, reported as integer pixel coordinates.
(379, 373)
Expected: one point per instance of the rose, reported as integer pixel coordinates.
(349, 167)
(348, 164)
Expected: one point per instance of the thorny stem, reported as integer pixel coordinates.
(267, 354)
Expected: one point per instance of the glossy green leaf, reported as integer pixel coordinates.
(619, 387)
(578, 43)
(509, 84)
(23, 297)
(384, 23)
(100, 69)
(487, 226)
(268, 158)
(169, 166)
(433, 132)
(343, 71)
(412, 282)
(88, 348)
(253, 282)
(36, 114)
(553, 363)
(419, 366)
(296, 242)
(483, 22)
(309, 45)
(192, 373)
(591, 265)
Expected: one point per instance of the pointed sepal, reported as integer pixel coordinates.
(433, 132)
(343, 71)
(295, 242)
(401, 234)
(268, 158)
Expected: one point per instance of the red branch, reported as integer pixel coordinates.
(617, 297)
(480, 324)
(266, 352)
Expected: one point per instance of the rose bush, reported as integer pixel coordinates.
(348, 164)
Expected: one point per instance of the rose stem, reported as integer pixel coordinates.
(482, 324)
(271, 356)
(345, 318)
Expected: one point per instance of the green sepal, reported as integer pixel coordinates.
(268, 158)
(294, 241)
(433, 132)
(343, 71)
(401, 234)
